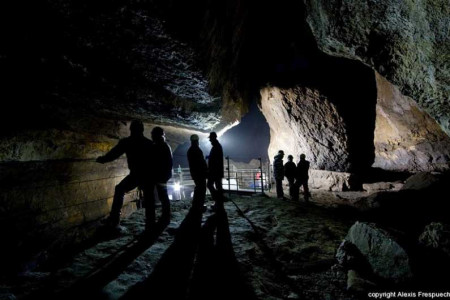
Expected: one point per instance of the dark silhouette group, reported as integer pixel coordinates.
(297, 176)
(206, 175)
(150, 163)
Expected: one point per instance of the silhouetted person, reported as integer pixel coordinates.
(278, 172)
(215, 169)
(289, 172)
(198, 169)
(303, 176)
(162, 163)
(138, 151)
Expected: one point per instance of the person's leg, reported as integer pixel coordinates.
(279, 183)
(291, 188)
(211, 188)
(306, 190)
(161, 188)
(149, 200)
(199, 193)
(219, 189)
(295, 190)
(126, 185)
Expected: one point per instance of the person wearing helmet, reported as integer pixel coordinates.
(289, 173)
(303, 176)
(215, 169)
(278, 172)
(162, 162)
(138, 151)
(198, 169)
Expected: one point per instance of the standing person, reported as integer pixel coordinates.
(138, 151)
(289, 172)
(215, 169)
(278, 172)
(162, 163)
(198, 169)
(303, 176)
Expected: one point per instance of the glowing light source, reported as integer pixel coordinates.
(226, 128)
(176, 186)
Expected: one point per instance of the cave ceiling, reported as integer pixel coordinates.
(198, 64)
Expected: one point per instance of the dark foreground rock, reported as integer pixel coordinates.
(436, 236)
(387, 258)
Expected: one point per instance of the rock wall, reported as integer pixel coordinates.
(406, 137)
(407, 42)
(52, 190)
(301, 120)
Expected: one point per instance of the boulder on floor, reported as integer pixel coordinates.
(382, 186)
(436, 236)
(387, 258)
(420, 181)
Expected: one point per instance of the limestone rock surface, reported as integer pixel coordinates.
(385, 255)
(405, 41)
(302, 120)
(406, 137)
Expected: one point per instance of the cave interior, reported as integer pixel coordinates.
(369, 107)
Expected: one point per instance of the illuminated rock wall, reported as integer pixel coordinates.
(301, 120)
(52, 191)
(406, 137)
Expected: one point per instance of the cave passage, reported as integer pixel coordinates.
(246, 141)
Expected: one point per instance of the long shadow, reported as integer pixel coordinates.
(216, 273)
(170, 278)
(92, 284)
(200, 264)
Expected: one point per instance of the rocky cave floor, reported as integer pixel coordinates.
(259, 247)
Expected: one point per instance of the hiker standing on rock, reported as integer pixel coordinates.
(198, 169)
(303, 176)
(278, 172)
(215, 169)
(290, 170)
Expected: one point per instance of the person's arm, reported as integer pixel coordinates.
(112, 154)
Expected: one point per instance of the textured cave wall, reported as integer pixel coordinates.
(406, 137)
(302, 120)
(407, 42)
(53, 192)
